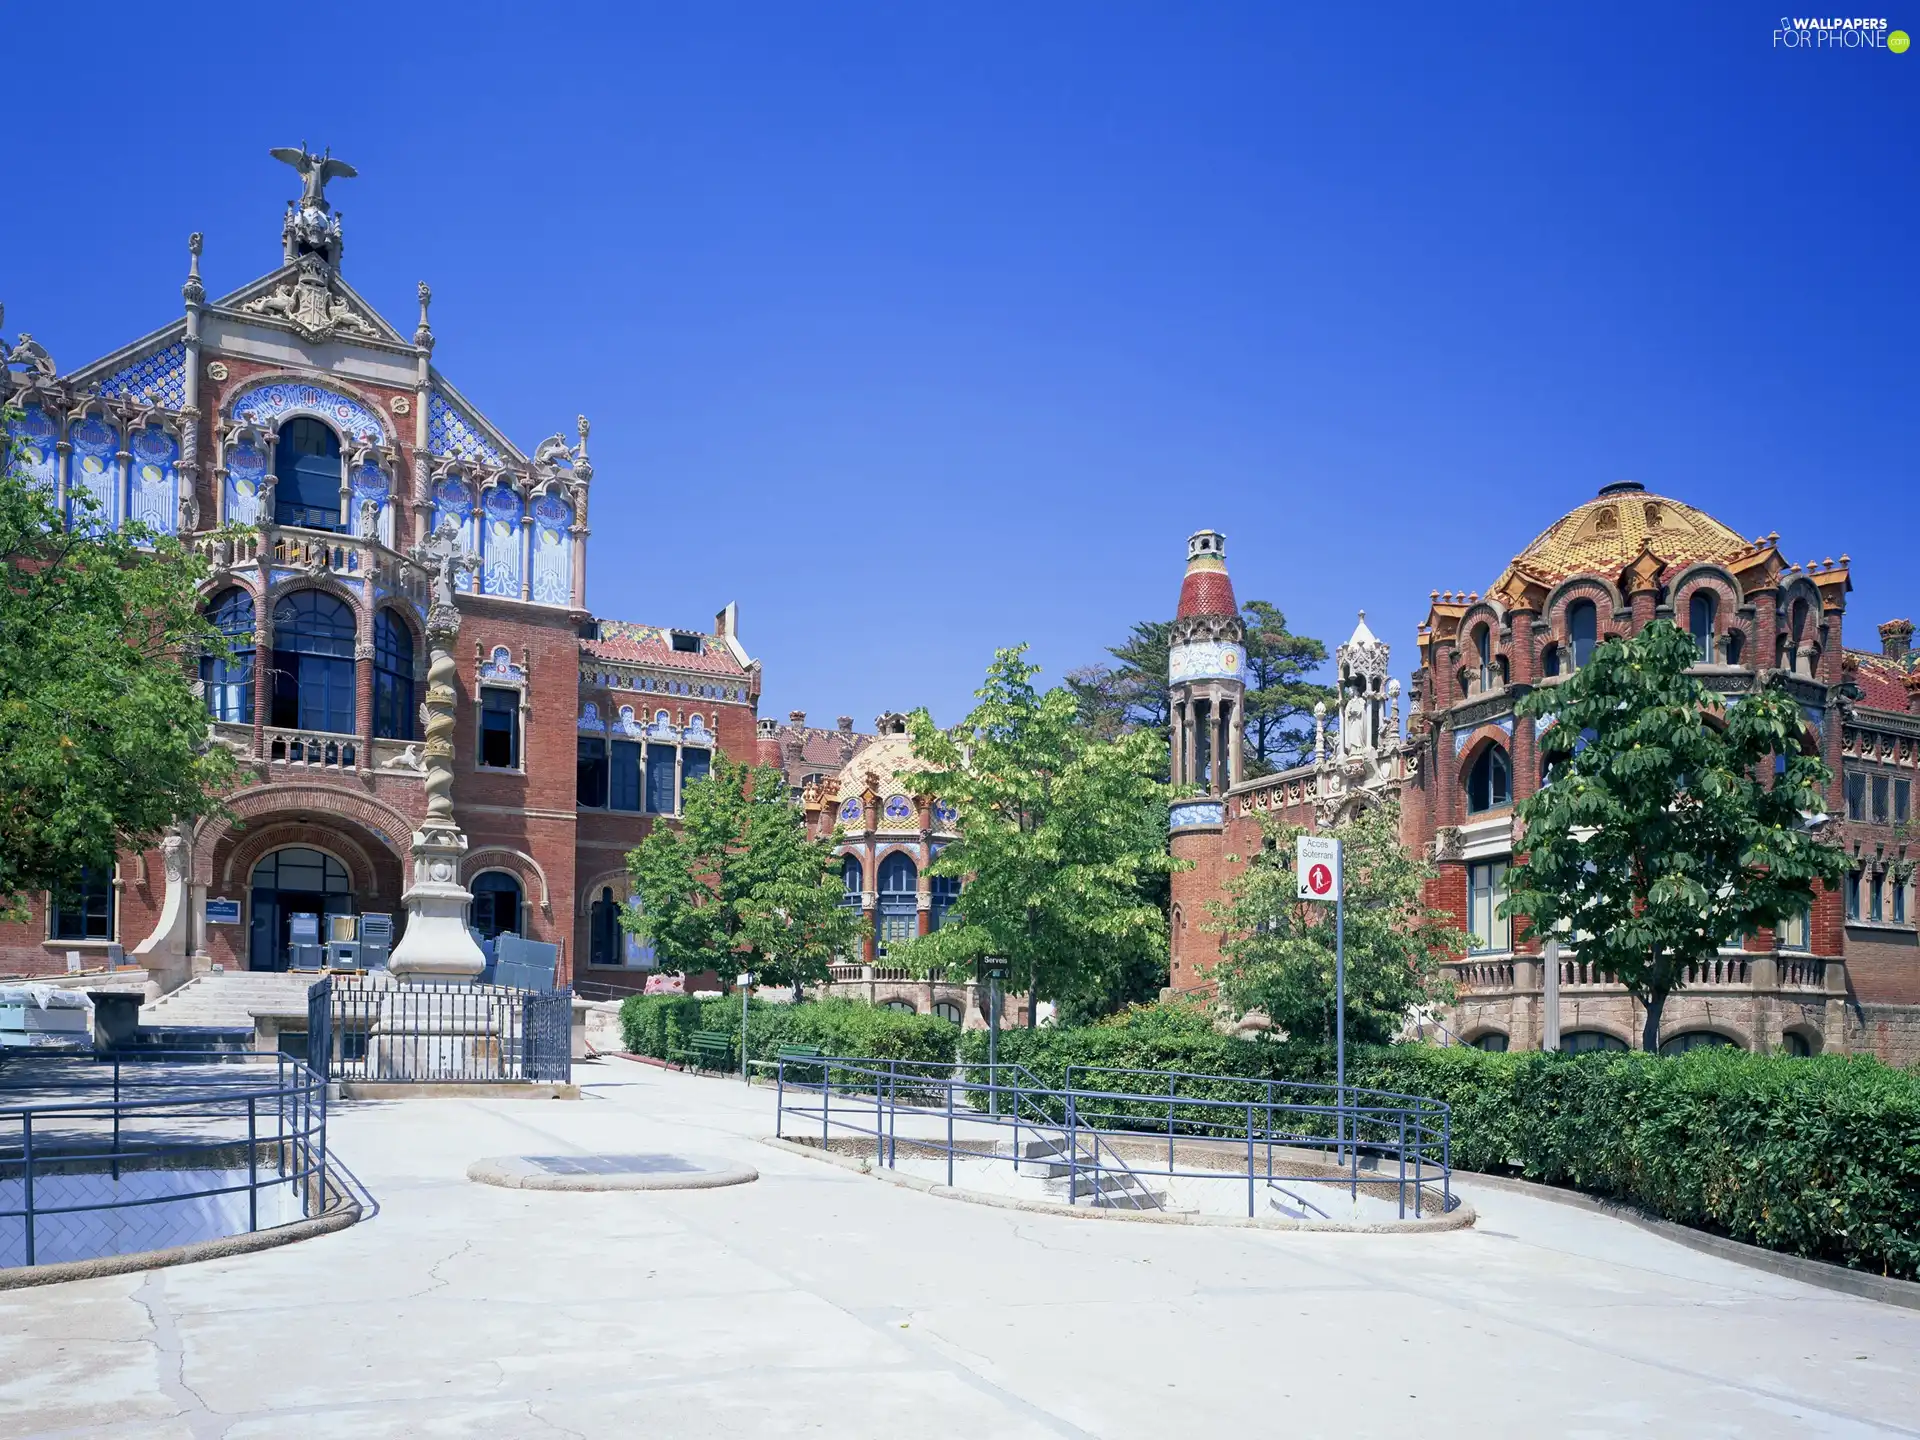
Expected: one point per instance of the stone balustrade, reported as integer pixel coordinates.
(314, 749)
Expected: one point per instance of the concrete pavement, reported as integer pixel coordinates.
(818, 1302)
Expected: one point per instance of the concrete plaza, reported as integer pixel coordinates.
(820, 1302)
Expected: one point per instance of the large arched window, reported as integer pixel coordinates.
(897, 919)
(496, 904)
(313, 662)
(852, 880)
(1488, 783)
(1583, 629)
(1700, 616)
(226, 675)
(306, 476)
(393, 710)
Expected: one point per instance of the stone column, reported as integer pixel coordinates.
(167, 951)
(437, 947)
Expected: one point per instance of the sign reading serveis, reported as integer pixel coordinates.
(1206, 660)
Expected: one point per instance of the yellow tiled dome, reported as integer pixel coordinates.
(1603, 536)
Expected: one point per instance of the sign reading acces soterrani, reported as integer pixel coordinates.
(1316, 864)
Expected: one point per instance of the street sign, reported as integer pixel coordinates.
(1317, 867)
(992, 967)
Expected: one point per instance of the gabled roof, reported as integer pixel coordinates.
(236, 302)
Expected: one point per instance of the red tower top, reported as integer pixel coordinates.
(1207, 590)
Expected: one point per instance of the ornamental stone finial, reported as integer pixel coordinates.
(193, 292)
(423, 332)
(581, 421)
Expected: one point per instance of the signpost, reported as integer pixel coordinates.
(989, 972)
(746, 991)
(1317, 866)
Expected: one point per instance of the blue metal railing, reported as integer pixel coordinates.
(70, 1116)
(1278, 1133)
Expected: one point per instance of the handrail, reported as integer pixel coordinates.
(1365, 1129)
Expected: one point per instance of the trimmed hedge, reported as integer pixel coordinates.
(657, 1025)
(1817, 1157)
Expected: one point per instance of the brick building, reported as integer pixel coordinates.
(1845, 976)
(291, 408)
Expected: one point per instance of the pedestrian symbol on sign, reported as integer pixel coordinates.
(1317, 863)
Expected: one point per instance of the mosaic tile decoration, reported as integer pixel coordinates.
(451, 431)
(268, 403)
(160, 378)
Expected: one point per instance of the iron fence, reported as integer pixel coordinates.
(1109, 1132)
(107, 1153)
(368, 1030)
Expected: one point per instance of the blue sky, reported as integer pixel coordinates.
(922, 329)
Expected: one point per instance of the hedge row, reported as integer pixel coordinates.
(1817, 1157)
(658, 1025)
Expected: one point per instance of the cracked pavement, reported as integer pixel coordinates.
(820, 1302)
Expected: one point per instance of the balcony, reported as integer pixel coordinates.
(322, 552)
(312, 750)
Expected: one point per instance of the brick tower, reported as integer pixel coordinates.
(1206, 670)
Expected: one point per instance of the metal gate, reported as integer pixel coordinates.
(362, 1030)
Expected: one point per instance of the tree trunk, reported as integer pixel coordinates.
(1033, 991)
(1650, 1032)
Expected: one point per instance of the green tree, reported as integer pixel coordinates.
(1277, 951)
(737, 884)
(1670, 825)
(1280, 698)
(1062, 844)
(103, 736)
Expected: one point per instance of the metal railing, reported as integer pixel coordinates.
(1107, 1131)
(373, 1030)
(107, 1154)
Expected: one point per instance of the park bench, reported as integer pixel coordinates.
(802, 1074)
(709, 1050)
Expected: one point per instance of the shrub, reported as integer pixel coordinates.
(657, 1025)
(1817, 1157)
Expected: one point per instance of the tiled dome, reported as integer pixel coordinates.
(1605, 535)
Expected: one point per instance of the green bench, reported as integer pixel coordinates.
(708, 1050)
(802, 1074)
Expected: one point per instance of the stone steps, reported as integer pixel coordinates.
(227, 999)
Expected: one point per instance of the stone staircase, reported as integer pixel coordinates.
(228, 1000)
(1114, 1188)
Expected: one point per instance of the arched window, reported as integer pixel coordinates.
(1583, 629)
(1585, 1042)
(603, 930)
(952, 1013)
(306, 476)
(1736, 644)
(945, 890)
(313, 663)
(905, 1006)
(1800, 661)
(1493, 1042)
(1700, 613)
(1794, 1043)
(897, 918)
(496, 904)
(1550, 660)
(393, 710)
(226, 676)
(852, 879)
(1695, 1040)
(1483, 650)
(1488, 783)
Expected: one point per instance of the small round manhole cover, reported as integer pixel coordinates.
(609, 1172)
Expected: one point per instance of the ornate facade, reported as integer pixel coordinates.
(334, 478)
(1843, 976)
(1365, 762)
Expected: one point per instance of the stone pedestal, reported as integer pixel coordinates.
(437, 947)
(167, 952)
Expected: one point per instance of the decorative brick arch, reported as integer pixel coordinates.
(1471, 747)
(363, 873)
(516, 862)
(284, 801)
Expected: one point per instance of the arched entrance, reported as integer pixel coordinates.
(290, 882)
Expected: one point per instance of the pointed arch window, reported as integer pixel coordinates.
(226, 674)
(1701, 611)
(1489, 784)
(1483, 650)
(306, 475)
(1583, 629)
